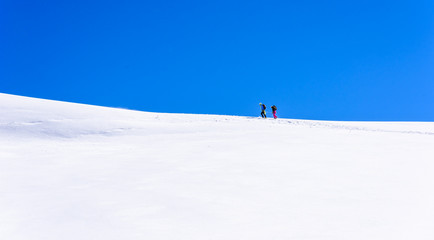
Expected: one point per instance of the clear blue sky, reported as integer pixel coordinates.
(334, 60)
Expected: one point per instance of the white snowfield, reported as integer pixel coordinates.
(79, 172)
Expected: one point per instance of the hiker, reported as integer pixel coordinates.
(274, 108)
(263, 107)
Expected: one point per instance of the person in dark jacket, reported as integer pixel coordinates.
(263, 107)
(274, 108)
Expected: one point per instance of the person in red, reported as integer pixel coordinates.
(274, 108)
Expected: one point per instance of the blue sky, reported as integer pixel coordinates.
(330, 60)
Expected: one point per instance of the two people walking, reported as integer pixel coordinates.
(263, 107)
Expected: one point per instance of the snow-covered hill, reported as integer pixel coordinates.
(72, 171)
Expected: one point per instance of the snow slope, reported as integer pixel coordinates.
(72, 171)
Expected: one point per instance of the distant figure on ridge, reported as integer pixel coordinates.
(274, 108)
(263, 107)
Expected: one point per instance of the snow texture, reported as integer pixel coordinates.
(72, 171)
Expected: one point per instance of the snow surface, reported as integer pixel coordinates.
(73, 171)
